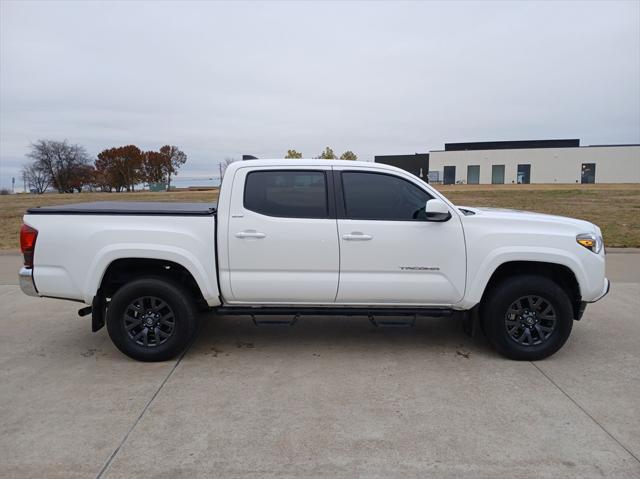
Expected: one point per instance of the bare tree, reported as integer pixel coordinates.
(224, 165)
(60, 160)
(36, 178)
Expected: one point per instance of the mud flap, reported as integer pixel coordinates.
(98, 308)
(471, 322)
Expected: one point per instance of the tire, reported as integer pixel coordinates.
(167, 312)
(527, 303)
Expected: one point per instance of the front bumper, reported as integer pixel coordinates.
(580, 307)
(605, 290)
(27, 285)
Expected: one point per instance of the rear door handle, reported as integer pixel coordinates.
(357, 236)
(250, 234)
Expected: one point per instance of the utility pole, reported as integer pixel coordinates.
(220, 165)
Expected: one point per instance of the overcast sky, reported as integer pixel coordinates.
(223, 79)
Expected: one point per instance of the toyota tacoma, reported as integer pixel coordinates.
(289, 238)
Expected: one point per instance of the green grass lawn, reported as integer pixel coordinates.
(615, 208)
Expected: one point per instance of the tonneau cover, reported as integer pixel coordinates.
(141, 208)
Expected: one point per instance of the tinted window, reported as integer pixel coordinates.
(373, 196)
(293, 194)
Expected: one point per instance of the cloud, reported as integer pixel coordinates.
(223, 79)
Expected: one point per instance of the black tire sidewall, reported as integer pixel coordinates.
(178, 299)
(500, 299)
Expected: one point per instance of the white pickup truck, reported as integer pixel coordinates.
(314, 237)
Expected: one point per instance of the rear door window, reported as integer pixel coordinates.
(291, 193)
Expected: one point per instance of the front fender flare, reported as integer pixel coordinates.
(479, 278)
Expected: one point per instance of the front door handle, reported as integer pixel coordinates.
(250, 234)
(357, 236)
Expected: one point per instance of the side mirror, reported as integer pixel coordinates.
(437, 210)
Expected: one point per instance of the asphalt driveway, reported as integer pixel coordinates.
(329, 397)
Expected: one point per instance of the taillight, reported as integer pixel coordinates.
(28, 237)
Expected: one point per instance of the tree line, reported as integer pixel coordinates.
(327, 154)
(68, 167)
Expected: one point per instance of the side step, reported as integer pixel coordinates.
(409, 323)
(275, 322)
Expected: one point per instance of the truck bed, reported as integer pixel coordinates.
(136, 208)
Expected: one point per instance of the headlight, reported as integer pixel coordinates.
(591, 241)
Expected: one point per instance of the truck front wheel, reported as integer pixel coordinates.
(527, 317)
(151, 319)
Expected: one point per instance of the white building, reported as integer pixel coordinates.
(536, 161)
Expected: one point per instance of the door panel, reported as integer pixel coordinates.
(449, 175)
(396, 261)
(588, 173)
(404, 262)
(282, 259)
(524, 174)
(497, 174)
(473, 174)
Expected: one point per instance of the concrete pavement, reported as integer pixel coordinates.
(328, 397)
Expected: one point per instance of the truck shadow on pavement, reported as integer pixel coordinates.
(222, 335)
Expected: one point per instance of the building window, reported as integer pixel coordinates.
(497, 174)
(449, 176)
(524, 174)
(588, 173)
(473, 174)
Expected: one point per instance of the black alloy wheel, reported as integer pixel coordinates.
(152, 318)
(149, 321)
(530, 320)
(527, 317)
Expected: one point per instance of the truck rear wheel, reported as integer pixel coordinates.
(527, 317)
(151, 319)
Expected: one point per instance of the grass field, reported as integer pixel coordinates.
(615, 208)
(12, 207)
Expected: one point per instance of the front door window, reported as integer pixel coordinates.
(375, 196)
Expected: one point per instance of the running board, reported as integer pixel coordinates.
(371, 313)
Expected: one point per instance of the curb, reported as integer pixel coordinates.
(622, 250)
